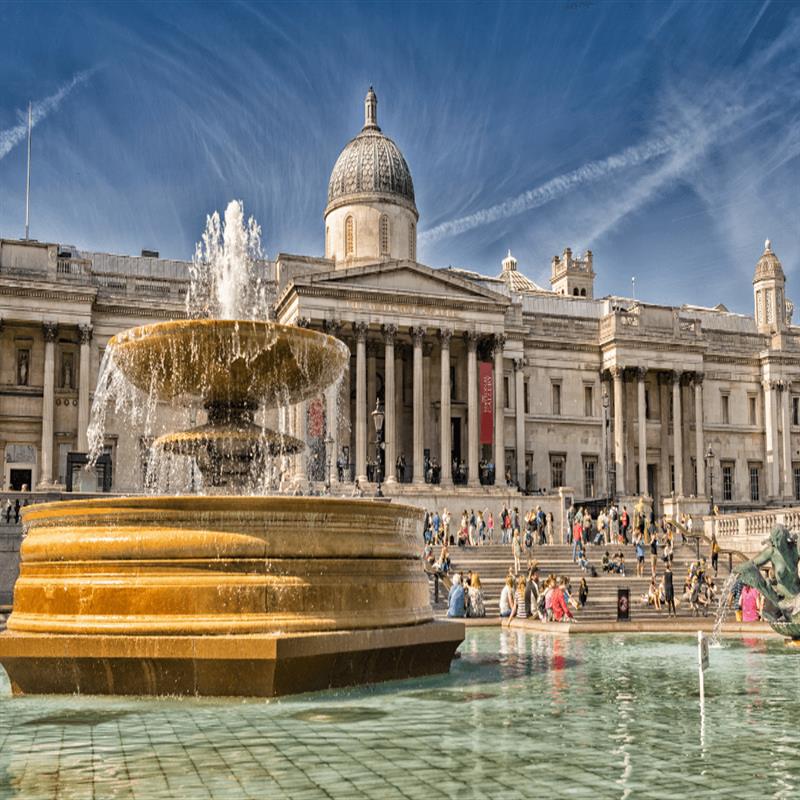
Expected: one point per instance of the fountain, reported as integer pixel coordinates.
(232, 592)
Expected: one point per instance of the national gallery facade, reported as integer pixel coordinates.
(487, 383)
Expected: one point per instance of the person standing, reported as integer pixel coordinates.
(714, 553)
(516, 548)
(653, 551)
(625, 521)
(638, 542)
(570, 522)
(16, 511)
(669, 591)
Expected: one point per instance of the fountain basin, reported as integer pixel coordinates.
(114, 593)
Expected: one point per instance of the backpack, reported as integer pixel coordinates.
(528, 539)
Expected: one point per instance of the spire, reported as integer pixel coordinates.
(509, 263)
(371, 111)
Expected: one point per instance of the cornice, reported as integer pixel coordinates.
(80, 294)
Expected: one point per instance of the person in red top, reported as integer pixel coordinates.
(561, 612)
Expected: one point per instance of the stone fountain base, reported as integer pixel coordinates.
(265, 665)
(247, 596)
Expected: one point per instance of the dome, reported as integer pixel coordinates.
(371, 166)
(515, 280)
(769, 266)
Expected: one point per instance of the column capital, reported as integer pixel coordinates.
(498, 343)
(519, 364)
(445, 334)
(50, 330)
(85, 333)
(641, 372)
(417, 334)
(303, 322)
(617, 372)
(675, 376)
(697, 378)
(471, 338)
(389, 331)
(331, 326)
(360, 329)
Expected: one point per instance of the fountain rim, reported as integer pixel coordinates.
(200, 504)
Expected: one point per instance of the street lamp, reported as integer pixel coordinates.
(329, 459)
(606, 403)
(377, 418)
(709, 459)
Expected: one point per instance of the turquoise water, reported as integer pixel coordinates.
(520, 715)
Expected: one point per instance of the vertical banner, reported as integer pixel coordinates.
(486, 400)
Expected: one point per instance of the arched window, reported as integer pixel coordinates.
(349, 236)
(583, 292)
(575, 291)
(412, 242)
(384, 235)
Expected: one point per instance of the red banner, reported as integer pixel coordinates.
(486, 400)
(316, 418)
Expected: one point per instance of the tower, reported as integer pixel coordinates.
(769, 284)
(572, 276)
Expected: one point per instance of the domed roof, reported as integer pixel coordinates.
(371, 165)
(515, 280)
(769, 266)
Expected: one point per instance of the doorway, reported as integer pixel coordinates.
(17, 478)
(652, 483)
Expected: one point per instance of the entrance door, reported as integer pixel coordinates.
(459, 477)
(652, 483)
(18, 478)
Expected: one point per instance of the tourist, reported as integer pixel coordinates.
(519, 610)
(668, 548)
(606, 562)
(473, 527)
(455, 599)
(490, 527)
(613, 528)
(505, 519)
(669, 591)
(570, 522)
(653, 551)
(561, 612)
(516, 549)
(638, 542)
(714, 553)
(625, 522)
(600, 536)
(532, 591)
(443, 564)
(653, 596)
(583, 592)
(586, 533)
(749, 603)
(549, 528)
(476, 606)
(507, 598)
(16, 511)
(577, 535)
(436, 523)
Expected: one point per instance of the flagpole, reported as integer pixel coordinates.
(28, 177)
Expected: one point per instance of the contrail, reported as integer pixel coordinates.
(556, 187)
(11, 137)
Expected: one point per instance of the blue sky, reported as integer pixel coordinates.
(663, 136)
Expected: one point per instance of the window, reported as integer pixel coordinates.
(589, 476)
(795, 410)
(557, 467)
(583, 292)
(452, 383)
(752, 410)
(671, 475)
(349, 236)
(796, 473)
(770, 307)
(384, 235)
(412, 242)
(526, 397)
(759, 309)
(647, 410)
(588, 401)
(505, 392)
(726, 412)
(755, 482)
(556, 394)
(693, 468)
(727, 482)
(575, 292)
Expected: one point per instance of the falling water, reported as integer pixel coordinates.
(722, 608)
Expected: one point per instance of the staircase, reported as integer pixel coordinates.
(492, 563)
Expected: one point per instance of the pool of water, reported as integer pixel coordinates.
(520, 715)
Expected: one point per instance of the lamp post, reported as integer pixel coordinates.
(606, 403)
(377, 418)
(709, 459)
(329, 459)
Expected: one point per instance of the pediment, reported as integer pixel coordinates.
(403, 279)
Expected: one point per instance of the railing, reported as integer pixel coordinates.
(747, 531)
(73, 267)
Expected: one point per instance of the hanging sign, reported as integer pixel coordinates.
(486, 400)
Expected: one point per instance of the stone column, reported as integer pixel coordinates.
(84, 372)
(677, 433)
(390, 404)
(771, 436)
(641, 372)
(50, 330)
(360, 329)
(372, 394)
(619, 439)
(445, 457)
(418, 334)
(699, 444)
(400, 414)
(519, 419)
(785, 393)
(499, 413)
(300, 431)
(473, 420)
(332, 399)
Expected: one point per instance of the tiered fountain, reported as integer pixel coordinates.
(231, 592)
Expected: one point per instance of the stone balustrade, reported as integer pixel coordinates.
(747, 531)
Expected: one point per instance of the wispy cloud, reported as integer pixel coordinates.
(10, 137)
(557, 187)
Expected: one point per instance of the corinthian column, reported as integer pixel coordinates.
(390, 424)
(519, 417)
(786, 449)
(619, 440)
(473, 423)
(418, 334)
(641, 372)
(677, 433)
(360, 329)
(499, 414)
(50, 330)
(699, 444)
(84, 371)
(771, 435)
(444, 410)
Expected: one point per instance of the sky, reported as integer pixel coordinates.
(664, 137)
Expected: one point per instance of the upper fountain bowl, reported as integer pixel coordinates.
(229, 362)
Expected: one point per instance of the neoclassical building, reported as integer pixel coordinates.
(484, 380)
